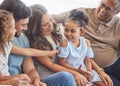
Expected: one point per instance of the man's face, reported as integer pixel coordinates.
(21, 25)
(106, 10)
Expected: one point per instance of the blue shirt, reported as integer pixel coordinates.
(76, 55)
(15, 61)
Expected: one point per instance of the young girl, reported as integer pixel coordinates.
(7, 32)
(75, 52)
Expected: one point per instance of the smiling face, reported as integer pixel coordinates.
(106, 10)
(21, 25)
(46, 25)
(72, 31)
(12, 30)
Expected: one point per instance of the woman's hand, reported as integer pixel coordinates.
(53, 53)
(80, 79)
(105, 78)
(37, 82)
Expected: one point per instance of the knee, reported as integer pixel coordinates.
(65, 74)
(67, 77)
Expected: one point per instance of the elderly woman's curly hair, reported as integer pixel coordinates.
(5, 24)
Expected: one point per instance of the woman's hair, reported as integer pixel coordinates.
(5, 24)
(79, 16)
(34, 34)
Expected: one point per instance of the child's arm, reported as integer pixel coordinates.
(63, 60)
(88, 64)
(87, 60)
(19, 76)
(14, 82)
(32, 52)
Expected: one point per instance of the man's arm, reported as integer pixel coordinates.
(19, 76)
(29, 68)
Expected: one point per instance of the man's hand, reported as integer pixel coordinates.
(37, 82)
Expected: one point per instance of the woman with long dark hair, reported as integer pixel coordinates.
(44, 34)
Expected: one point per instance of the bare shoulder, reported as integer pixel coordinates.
(88, 42)
(64, 43)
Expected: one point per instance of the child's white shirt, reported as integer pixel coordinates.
(4, 59)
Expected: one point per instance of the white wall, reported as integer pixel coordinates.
(57, 6)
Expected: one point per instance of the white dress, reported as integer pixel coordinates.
(4, 59)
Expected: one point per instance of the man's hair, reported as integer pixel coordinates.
(17, 7)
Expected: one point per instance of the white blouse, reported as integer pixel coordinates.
(4, 59)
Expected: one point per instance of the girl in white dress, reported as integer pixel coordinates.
(7, 32)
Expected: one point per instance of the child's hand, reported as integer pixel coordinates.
(90, 78)
(87, 74)
(19, 82)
